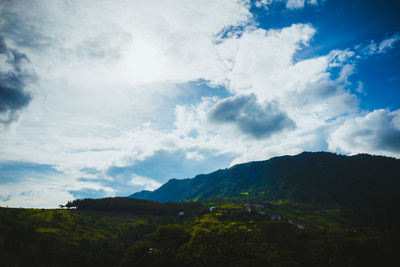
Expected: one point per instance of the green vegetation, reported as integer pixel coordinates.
(138, 206)
(367, 184)
(238, 232)
(313, 209)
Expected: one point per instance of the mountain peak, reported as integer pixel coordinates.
(318, 177)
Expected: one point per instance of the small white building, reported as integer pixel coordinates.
(181, 213)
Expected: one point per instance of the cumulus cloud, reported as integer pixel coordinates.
(377, 132)
(251, 117)
(103, 78)
(327, 99)
(110, 110)
(261, 61)
(13, 96)
(305, 91)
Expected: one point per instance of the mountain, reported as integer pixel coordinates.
(360, 181)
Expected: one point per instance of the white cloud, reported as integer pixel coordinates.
(93, 108)
(360, 88)
(194, 155)
(383, 47)
(289, 4)
(263, 3)
(377, 132)
(132, 57)
(261, 63)
(345, 73)
(145, 182)
(259, 59)
(107, 73)
(339, 57)
(45, 191)
(388, 43)
(312, 2)
(108, 90)
(293, 4)
(370, 49)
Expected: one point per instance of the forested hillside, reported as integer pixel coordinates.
(232, 233)
(313, 209)
(363, 182)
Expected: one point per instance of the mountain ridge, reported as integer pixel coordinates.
(361, 181)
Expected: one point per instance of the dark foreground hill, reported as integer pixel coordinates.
(362, 182)
(228, 236)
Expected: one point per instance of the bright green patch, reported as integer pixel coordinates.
(230, 206)
(47, 230)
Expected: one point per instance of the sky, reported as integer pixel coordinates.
(107, 98)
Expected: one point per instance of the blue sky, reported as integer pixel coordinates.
(101, 98)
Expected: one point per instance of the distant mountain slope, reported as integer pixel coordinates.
(318, 177)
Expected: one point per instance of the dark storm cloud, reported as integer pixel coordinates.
(251, 117)
(13, 97)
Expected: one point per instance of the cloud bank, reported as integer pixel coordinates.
(376, 132)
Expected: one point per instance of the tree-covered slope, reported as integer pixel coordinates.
(361, 181)
(227, 236)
